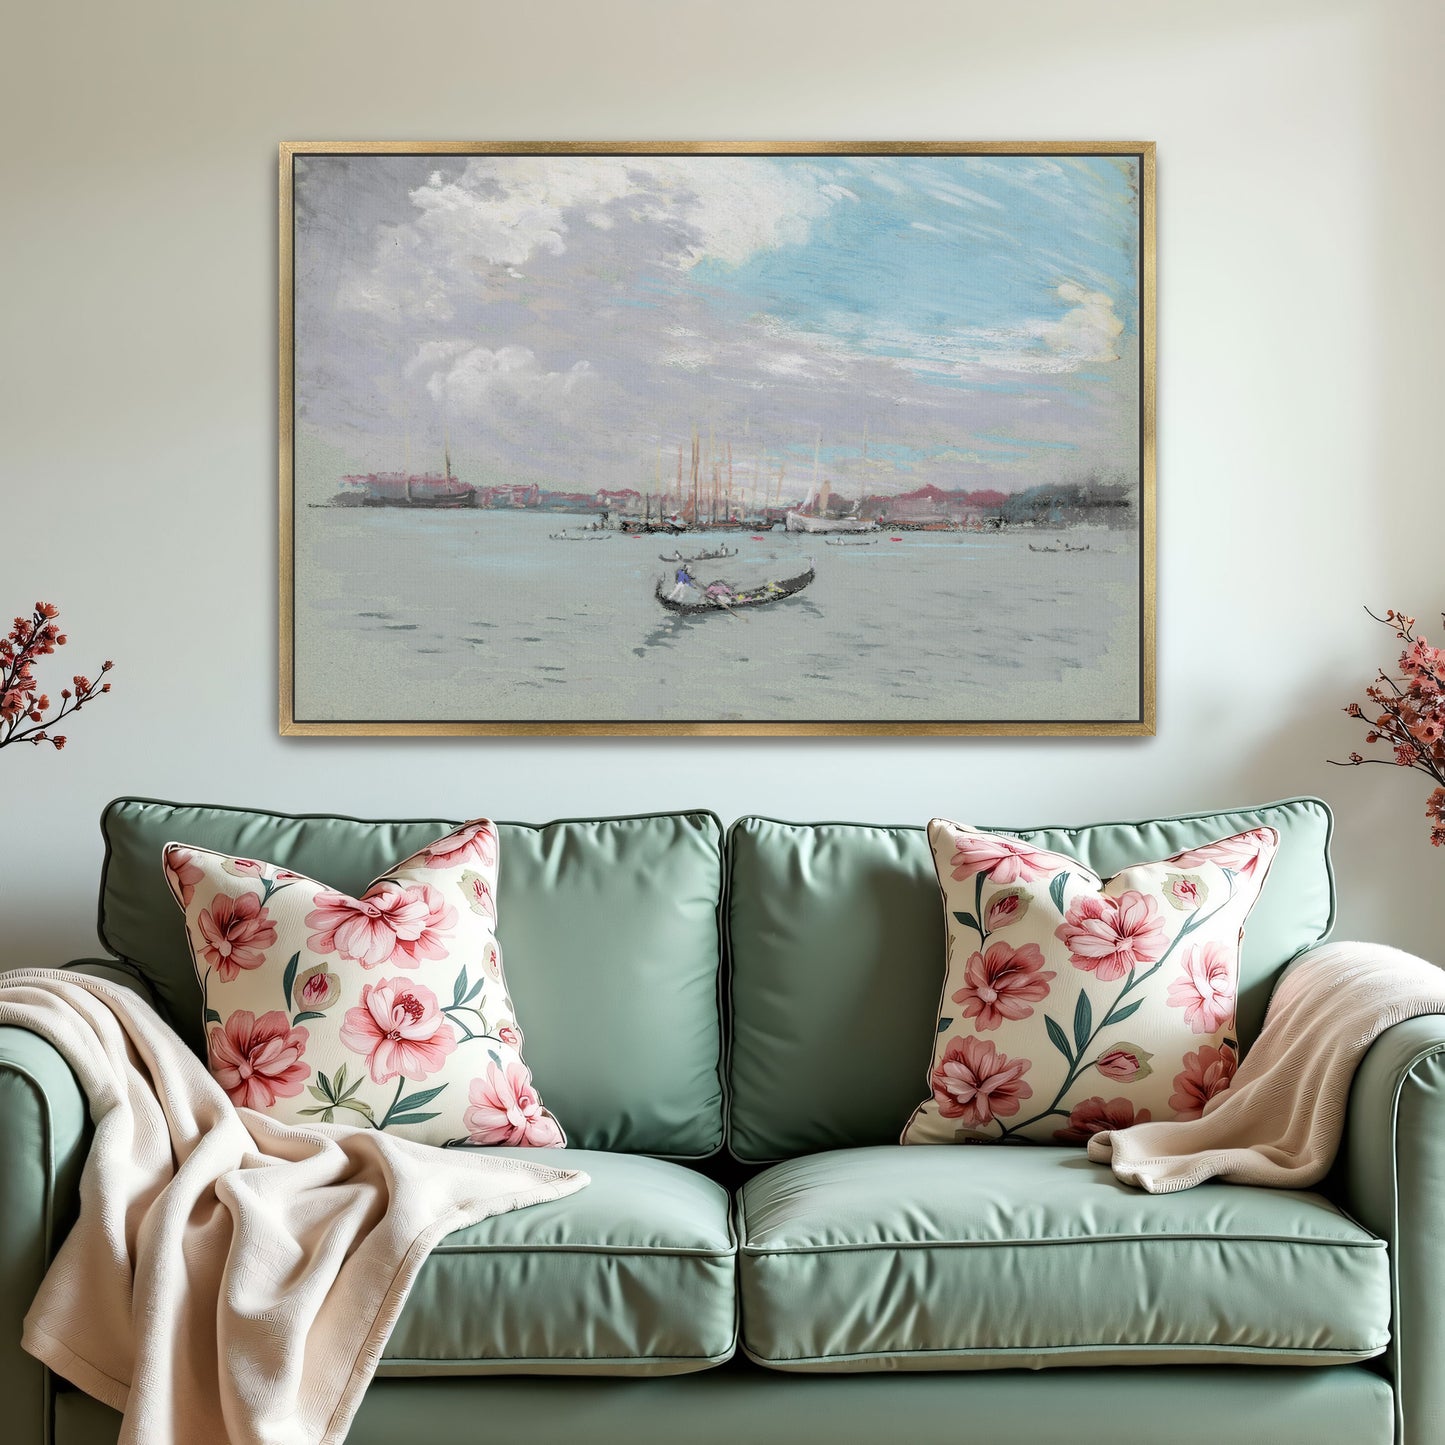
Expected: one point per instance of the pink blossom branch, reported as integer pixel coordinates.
(23, 707)
(1409, 714)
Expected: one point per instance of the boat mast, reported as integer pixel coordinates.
(696, 449)
(730, 482)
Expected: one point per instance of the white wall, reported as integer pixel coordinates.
(1301, 310)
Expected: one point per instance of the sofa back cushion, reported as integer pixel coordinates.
(837, 952)
(610, 929)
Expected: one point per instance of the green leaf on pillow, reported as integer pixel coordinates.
(1060, 1039)
(968, 921)
(1120, 1014)
(1056, 889)
(289, 977)
(326, 1083)
(415, 1101)
(409, 1119)
(212, 1017)
(301, 1018)
(475, 989)
(317, 1092)
(459, 988)
(943, 1024)
(495, 1057)
(1083, 1021)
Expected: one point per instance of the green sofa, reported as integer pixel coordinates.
(732, 1026)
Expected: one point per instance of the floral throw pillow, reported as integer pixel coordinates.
(389, 1010)
(1072, 1003)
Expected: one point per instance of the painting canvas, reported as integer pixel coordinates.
(717, 438)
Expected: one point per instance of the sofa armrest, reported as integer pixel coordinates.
(44, 1135)
(1391, 1176)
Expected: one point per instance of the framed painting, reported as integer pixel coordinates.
(717, 438)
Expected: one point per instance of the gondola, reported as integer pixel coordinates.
(839, 542)
(758, 596)
(1032, 548)
(598, 536)
(701, 556)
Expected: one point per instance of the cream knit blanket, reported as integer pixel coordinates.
(230, 1278)
(1281, 1120)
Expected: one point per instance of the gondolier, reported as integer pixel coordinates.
(683, 584)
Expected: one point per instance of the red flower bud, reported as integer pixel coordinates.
(59, 742)
(47, 609)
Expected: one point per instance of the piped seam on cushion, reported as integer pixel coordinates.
(659, 1250)
(464, 1363)
(1340, 1356)
(793, 1251)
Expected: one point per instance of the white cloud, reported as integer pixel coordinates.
(504, 209)
(468, 378)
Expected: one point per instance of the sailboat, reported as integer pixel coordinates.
(813, 517)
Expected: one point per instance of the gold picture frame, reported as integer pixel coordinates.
(1141, 717)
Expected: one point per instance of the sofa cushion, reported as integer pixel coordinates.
(1017, 1257)
(634, 1275)
(836, 943)
(596, 916)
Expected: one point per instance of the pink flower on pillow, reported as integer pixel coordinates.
(505, 1109)
(1004, 860)
(391, 924)
(236, 932)
(1109, 936)
(258, 1060)
(1003, 983)
(423, 937)
(182, 873)
(1205, 990)
(399, 1028)
(1096, 1114)
(511, 1036)
(472, 840)
(1243, 853)
(976, 1083)
(1205, 1075)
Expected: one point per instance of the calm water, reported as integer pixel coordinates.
(475, 615)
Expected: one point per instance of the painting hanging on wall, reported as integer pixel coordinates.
(717, 438)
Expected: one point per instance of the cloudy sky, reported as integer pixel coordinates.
(961, 320)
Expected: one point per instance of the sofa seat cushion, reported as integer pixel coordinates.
(997, 1256)
(634, 1275)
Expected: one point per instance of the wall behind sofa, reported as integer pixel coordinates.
(1301, 308)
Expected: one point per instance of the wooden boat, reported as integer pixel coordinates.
(1032, 548)
(598, 536)
(869, 542)
(758, 596)
(1068, 548)
(701, 556)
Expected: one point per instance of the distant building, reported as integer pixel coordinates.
(624, 503)
(515, 496)
(932, 504)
